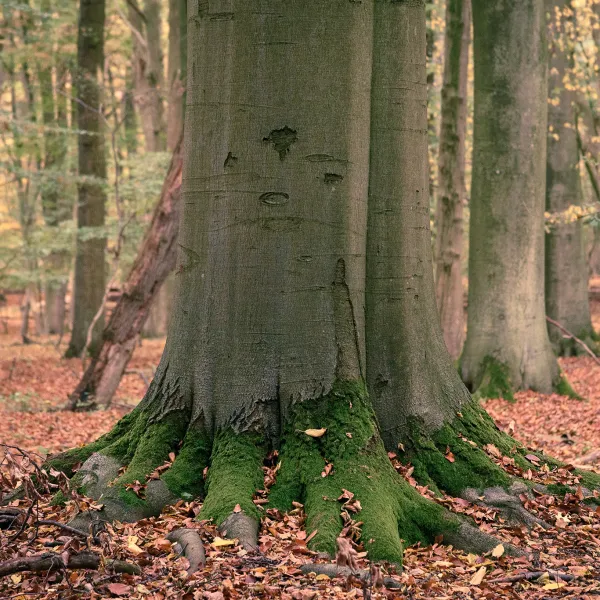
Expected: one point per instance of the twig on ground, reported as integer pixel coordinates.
(531, 575)
(332, 571)
(574, 337)
(50, 561)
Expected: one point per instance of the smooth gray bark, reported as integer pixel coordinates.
(274, 192)
(409, 371)
(506, 315)
(90, 277)
(567, 298)
(451, 176)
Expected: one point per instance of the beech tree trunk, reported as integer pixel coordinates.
(155, 260)
(507, 338)
(451, 176)
(567, 298)
(148, 73)
(90, 277)
(176, 83)
(287, 214)
(55, 207)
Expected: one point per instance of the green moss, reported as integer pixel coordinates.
(563, 388)
(59, 499)
(65, 461)
(390, 507)
(495, 381)
(152, 450)
(558, 489)
(234, 475)
(185, 477)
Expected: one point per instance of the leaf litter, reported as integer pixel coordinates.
(560, 562)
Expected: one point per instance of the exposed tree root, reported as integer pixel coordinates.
(49, 561)
(189, 543)
(343, 475)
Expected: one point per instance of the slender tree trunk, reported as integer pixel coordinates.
(507, 338)
(175, 82)
(90, 277)
(148, 73)
(567, 298)
(54, 205)
(155, 260)
(451, 176)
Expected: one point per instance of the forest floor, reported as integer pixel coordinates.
(35, 380)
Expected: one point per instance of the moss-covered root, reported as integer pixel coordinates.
(460, 459)
(495, 381)
(234, 475)
(345, 479)
(141, 445)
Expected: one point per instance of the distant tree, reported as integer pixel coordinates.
(90, 277)
(56, 203)
(507, 346)
(567, 297)
(148, 71)
(451, 175)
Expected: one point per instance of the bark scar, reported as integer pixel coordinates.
(348, 365)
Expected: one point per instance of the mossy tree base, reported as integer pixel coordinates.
(343, 475)
(495, 382)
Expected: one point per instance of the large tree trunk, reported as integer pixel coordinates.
(90, 276)
(155, 260)
(567, 298)
(507, 344)
(148, 72)
(266, 345)
(451, 176)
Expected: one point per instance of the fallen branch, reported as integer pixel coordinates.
(50, 561)
(189, 543)
(332, 571)
(62, 526)
(574, 337)
(532, 575)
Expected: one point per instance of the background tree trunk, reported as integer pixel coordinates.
(154, 262)
(148, 73)
(567, 297)
(55, 207)
(506, 333)
(90, 277)
(451, 176)
(176, 82)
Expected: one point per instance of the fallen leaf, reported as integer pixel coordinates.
(498, 551)
(132, 545)
(478, 577)
(119, 589)
(316, 433)
(220, 542)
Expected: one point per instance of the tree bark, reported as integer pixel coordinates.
(155, 260)
(567, 298)
(451, 176)
(507, 338)
(148, 73)
(90, 277)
